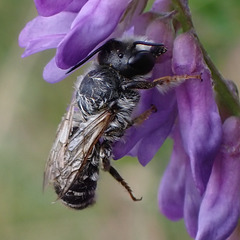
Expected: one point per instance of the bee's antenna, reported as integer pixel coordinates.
(148, 44)
(156, 48)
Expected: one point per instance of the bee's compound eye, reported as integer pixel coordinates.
(142, 62)
(120, 55)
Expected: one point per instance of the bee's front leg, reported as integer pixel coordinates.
(164, 83)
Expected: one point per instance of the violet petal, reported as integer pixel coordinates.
(192, 201)
(198, 115)
(75, 6)
(45, 31)
(132, 12)
(52, 73)
(161, 5)
(172, 187)
(50, 7)
(161, 31)
(141, 23)
(90, 27)
(42, 44)
(220, 209)
(151, 143)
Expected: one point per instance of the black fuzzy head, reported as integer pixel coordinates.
(130, 58)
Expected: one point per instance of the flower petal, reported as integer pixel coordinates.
(192, 201)
(52, 73)
(47, 32)
(220, 209)
(198, 115)
(50, 7)
(178, 196)
(172, 188)
(89, 28)
(141, 23)
(156, 29)
(42, 44)
(161, 6)
(75, 6)
(132, 12)
(186, 54)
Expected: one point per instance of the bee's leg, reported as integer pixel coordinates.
(118, 177)
(142, 117)
(105, 155)
(164, 83)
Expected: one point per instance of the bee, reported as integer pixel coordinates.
(98, 116)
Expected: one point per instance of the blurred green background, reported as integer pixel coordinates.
(30, 112)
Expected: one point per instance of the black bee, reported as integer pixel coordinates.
(98, 116)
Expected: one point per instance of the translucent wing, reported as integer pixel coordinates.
(75, 140)
(56, 155)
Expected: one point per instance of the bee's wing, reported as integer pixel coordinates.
(80, 147)
(56, 155)
(70, 151)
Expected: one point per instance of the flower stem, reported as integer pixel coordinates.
(225, 99)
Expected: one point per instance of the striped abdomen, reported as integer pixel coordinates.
(81, 193)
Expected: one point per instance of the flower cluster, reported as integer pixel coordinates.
(74, 28)
(201, 181)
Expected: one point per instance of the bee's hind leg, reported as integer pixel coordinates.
(105, 155)
(118, 177)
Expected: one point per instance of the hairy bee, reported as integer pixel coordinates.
(98, 116)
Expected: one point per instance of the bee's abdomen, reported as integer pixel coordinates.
(82, 192)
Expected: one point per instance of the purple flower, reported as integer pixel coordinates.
(145, 140)
(197, 138)
(161, 6)
(74, 28)
(202, 179)
(48, 8)
(199, 120)
(220, 208)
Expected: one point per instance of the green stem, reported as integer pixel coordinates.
(225, 98)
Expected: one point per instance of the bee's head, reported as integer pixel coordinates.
(130, 58)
